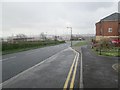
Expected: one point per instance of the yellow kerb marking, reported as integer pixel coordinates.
(69, 74)
(74, 74)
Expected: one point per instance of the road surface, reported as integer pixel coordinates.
(61, 68)
(98, 71)
(57, 71)
(12, 64)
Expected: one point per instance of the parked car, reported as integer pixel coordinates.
(116, 42)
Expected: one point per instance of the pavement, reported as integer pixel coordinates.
(98, 71)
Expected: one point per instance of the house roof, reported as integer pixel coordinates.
(112, 17)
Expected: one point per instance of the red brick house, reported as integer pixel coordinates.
(108, 27)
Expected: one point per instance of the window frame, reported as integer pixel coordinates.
(110, 30)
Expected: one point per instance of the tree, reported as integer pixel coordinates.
(43, 36)
(21, 37)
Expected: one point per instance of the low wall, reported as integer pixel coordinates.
(103, 37)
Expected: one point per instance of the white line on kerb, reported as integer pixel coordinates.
(81, 71)
(8, 58)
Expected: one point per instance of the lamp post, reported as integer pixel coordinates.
(71, 35)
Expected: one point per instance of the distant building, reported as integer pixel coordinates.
(16, 39)
(108, 27)
(23, 39)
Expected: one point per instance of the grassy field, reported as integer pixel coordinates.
(23, 46)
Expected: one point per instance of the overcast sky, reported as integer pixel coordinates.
(32, 18)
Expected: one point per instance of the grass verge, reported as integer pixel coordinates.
(81, 43)
(77, 45)
(108, 52)
(8, 48)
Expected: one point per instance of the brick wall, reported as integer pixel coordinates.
(98, 29)
(102, 28)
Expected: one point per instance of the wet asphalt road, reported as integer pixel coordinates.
(52, 73)
(98, 71)
(13, 64)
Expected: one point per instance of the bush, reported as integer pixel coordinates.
(28, 44)
(103, 44)
(105, 47)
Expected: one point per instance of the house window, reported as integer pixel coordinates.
(109, 29)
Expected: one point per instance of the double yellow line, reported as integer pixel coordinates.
(74, 69)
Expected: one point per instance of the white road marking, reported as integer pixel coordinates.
(81, 71)
(114, 67)
(8, 58)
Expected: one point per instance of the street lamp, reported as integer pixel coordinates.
(71, 35)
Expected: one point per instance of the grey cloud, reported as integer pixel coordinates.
(119, 6)
(43, 16)
(96, 5)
